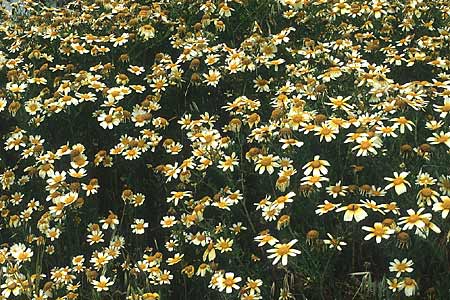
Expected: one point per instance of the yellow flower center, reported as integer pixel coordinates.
(379, 231)
(446, 107)
(365, 145)
(22, 256)
(228, 282)
(446, 204)
(426, 192)
(283, 250)
(316, 164)
(442, 139)
(164, 277)
(353, 207)
(413, 219)
(402, 266)
(398, 181)
(266, 161)
(325, 131)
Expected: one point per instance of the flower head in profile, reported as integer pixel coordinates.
(440, 138)
(326, 207)
(174, 260)
(410, 286)
(353, 211)
(266, 238)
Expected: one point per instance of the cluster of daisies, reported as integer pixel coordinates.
(307, 131)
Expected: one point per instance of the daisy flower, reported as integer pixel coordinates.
(69, 198)
(16, 88)
(398, 182)
(326, 207)
(168, 221)
(434, 125)
(253, 285)
(228, 162)
(403, 123)
(415, 219)
(313, 180)
(379, 231)
(165, 277)
(325, 132)
(440, 138)
(139, 226)
(228, 282)
(3, 103)
(339, 103)
(337, 190)
(176, 196)
(21, 253)
(410, 286)
(334, 242)
(353, 211)
(266, 238)
(11, 286)
(224, 245)
(373, 206)
(109, 120)
(394, 284)
(290, 143)
(281, 200)
(212, 78)
(387, 130)
(267, 163)
(120, 40)
(404, 266)
(317, 167)
(391, 207)
(427, 195)
(136, 70)
(424, 179)
(174, 260)
(444, 184)
(282, 251)
(95, 237)
(366, 146)
(202, 269)
(443, 205)
(103, 284)
(442, 109)
(425, 231)
(270, 212)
